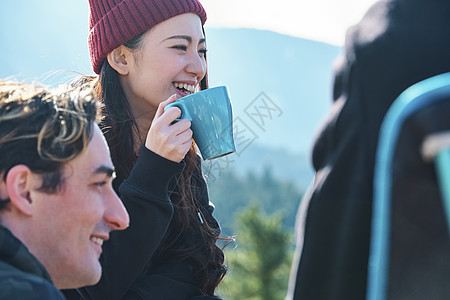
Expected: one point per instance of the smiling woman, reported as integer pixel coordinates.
(148, 54)
(159, 63)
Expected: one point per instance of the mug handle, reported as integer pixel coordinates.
(184, 112)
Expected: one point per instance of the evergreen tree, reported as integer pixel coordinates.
(259, 265)
(231, 194)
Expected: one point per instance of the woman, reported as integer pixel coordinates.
(148, 53)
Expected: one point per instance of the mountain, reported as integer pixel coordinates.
(40, 37)
(291, 75)
(280, 85)
(257, 159)
(280, 88)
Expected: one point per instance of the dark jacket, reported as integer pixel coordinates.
(22, 276)
(398, 43)
(127, 256)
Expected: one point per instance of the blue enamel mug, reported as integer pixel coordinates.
(211, 117)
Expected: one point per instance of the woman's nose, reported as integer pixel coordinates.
(196, 66)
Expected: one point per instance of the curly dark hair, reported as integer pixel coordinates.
(43, 129)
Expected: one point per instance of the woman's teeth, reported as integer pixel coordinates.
(185, 86)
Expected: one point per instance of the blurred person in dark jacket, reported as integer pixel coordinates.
(397, 44)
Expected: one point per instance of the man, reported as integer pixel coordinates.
(57, 204)
(397, 44)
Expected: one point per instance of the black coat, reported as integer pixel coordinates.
(127, 256)
(398, 43)
(22, 276)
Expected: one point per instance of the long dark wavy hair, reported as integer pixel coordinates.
(193, 231)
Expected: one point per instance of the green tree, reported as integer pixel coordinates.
(259, 264)
(232, 193)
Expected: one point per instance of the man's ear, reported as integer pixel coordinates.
(19, 183)
(119, 59)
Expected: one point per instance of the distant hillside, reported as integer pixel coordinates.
(256, 159)
(39, 37)
(294, 75)
(281, 90)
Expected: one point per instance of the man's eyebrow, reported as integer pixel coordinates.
(104, 170)
(184, 37)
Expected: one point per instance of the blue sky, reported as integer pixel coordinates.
(320, 20)
(29, 25)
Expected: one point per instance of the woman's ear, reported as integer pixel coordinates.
(19, 183)
(118, 59)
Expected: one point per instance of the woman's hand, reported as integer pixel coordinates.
(167, 139)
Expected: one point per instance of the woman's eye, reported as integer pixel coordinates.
(203, 52)
(180, 47)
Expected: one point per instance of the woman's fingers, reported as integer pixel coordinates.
(163, 104)
(170, 145)
(185, 136)
(169, 139)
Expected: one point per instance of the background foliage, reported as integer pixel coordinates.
(259, 211)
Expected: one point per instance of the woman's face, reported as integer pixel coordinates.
(171, 60)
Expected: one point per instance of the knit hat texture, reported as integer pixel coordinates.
(114, 22)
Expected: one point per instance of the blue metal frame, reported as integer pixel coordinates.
(410, 101)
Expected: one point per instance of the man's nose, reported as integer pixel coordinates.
(116, 214)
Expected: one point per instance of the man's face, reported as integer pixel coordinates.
(71, 224)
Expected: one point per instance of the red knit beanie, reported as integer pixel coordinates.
(114, 22)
